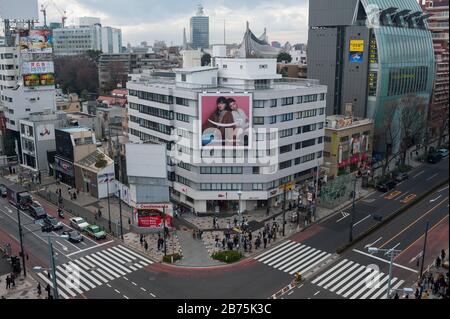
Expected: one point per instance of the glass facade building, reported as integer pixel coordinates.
(200, 30)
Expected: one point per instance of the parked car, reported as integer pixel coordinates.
(78, 223)
(400, 177)
(95, 232)
(37, 211)
(56, 224)
(386, 186)
(434, 158)
(443, 152)
(74, 236)
(3, 191)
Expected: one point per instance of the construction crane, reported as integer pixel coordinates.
(61, 12)
(44, 11)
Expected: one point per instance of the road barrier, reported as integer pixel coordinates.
(386, 220)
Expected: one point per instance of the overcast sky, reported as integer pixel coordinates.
(150, 20)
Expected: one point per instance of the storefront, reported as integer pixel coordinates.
(64, 171)
(148, 218)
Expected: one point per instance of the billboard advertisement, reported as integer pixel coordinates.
(46, 132)
(151, 215)
(225, 120)
(356, 57)
(356, 45)
(35, 80)
(36, 41)
(38, 67)
(140, 155)
(19, 10)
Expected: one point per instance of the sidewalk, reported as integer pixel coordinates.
(195, 254)
(173, 245)
(24, 289)
(436, 281)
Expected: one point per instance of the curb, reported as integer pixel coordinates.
(389, 218)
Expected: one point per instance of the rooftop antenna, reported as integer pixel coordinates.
(224, 33)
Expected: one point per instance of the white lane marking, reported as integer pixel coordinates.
(307, 252)
(383, 289)
(62, 246)
(331, 283)
(314, 262)
(435, 199)
(346, 279)
(134, 283)
(300, 263)
(432, 176)
(96, 246)
(111, 255)
(67, 242)
(112, 262)
(72, 283)
(414, 258)
(125, 278)
(108, 285)
(418, 174)
(117, 291)
(384, 260)
(359, 277)
(143, 289)
(101, 268)
(402, 195)
(106, 266)
(366, 287)
(368, 216)
(344, 215)
(393, 248)
(317, 293)
(291, 293)
(395, 287)
(371, 244)
(125, 297)
(119, 256)
(443, 189)
(85, 273)
(45, 279)
(300, 286)
(379, 284)
(153, 295)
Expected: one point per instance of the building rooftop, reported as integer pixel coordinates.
(342, 122)
(195, 69)
(75, 129)
(90, 160)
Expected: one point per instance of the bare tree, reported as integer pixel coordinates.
(118, 74)
(412, 121)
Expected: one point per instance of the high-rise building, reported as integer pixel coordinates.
(86, 34)
(287, 114)
(438, 25)
(369, 53)
(200, 30)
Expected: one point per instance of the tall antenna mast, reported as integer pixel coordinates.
(224, 33)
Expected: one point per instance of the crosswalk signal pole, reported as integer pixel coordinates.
(52, 258)
(350, 239)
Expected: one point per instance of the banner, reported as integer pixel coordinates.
(356, 57)
(34, 80)
(36, 41)
(356, 45)
(225, 120)
(46, 132)
(38, 67)
(151, 215)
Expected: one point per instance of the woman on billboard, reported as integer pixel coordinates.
(214, 129)
(239, 116)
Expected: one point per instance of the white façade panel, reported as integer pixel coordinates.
(146, 160)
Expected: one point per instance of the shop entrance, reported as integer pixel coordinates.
(222, 206)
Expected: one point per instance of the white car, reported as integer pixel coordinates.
(78, 223)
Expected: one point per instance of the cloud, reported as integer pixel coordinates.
(149, 20)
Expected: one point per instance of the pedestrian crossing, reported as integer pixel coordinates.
(354, 281)
(292, 257)
(93, 270)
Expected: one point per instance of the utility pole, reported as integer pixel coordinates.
(52, 258)
(284, 209)
(424, 248)
(109, 206)
(120, 215)
(164, 230)
(22, 252)
(350, 238)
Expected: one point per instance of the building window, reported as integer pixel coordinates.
(320, 140)
(258, 104)
(183, 77)
(327, 139)
(299, 99)
(255, 170)
(285, 149)
(326, 154)
(258, 187)
(286, 164)
(310, 98)
(287, 101)
(258, 120)
(322, 96)
(298, 145)
(319, 154)
(273, 103)
(308, 143)
(183, 117)
(273, 119)
(344, 139)
(181, 101)
(286, 117)
(286, 133)
(263, 66)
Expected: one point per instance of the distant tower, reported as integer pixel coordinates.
(185, 45)
(200, 29)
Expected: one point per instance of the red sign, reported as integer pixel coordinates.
(151, 215)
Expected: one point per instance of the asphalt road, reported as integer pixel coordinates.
(109, 270)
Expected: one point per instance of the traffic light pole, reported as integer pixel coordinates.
(120, 213)
(164, 231)
(284, 209)
(21, 241)
(52, 259)
(424, 248)
(350, 239)
(109, 206)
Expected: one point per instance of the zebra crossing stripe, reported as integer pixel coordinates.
(123, 253)
(118, 255)
(315, 263)
(298, 257)
(116, 272)
(118, 267)
(299, 266)
(138, 265)
(61, 283)
(67, 276)
(383, 290)
(358, 284)
(379, 284)
(118, 260)
(361, 275)
(101, 269)
(290, 256)
(277, 251)
(92, 271)
(272, 249)
(87, 262)
(329, 271)
(393, 288)
(86, 274)
(137, 255)
(281, 252)
(45, 279)
(376, 278)
(336, 273)
(354, 273)
(62, 286)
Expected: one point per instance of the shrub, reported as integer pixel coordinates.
(168, 258)
(227, 256)
(403, 168)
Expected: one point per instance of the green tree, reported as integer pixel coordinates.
(206, 59)
(284, 57)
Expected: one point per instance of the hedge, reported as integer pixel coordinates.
(227, 256)
(168, 258)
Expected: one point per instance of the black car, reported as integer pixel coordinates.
(37, 211)
(56, 224)
(400, 177)
(74, 236)
(434, 158)
(386, 186)
(46, 225)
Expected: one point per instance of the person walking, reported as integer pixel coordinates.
(214, 222)
(145, 245)
(48, 290)
(217, 240)
(39, 289)
(443, 255)
(438, 262)
(8, 282)
(265, 242)
(13, 279)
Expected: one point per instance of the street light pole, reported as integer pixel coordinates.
(239, 206)
(424, 248)
(284, 210)
(164, 230)
(109, 207)
(120, 215)
(52, 258)
(352, 217)
(22, 252)
(390, 274)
